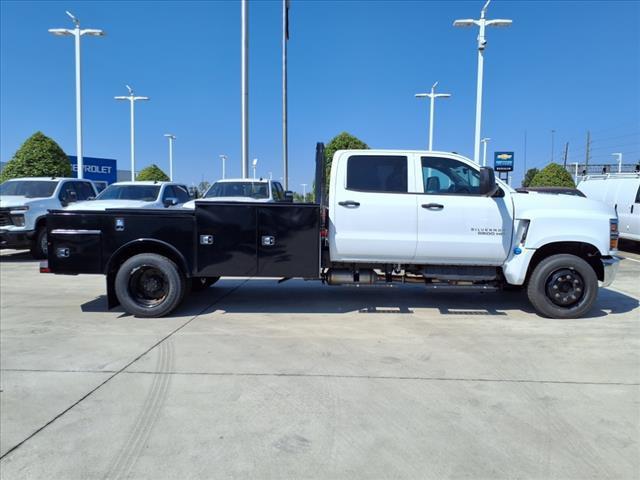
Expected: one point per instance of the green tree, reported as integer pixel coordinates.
(342, 141)
(526, 181)
(553, 175)
(39, 156)
(152, 173)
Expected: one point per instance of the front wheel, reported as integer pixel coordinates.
(149, 285)
(562, 286)
(39, 246)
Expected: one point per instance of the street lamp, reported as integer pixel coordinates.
(171, 139)
(224, 159)
(77, 33)
(619, 155)
(433, 95)
(482, 42)
(255, 164)
(132, 101)
(484, 155)
(304, 191)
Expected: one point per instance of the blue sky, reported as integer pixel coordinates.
(354, 66)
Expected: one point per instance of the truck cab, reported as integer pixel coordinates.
(24, 203)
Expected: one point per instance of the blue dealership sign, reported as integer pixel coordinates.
(503, 161)
(99, 169)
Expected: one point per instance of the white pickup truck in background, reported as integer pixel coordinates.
(24, 203)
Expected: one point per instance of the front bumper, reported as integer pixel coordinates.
(16, 239)
(610, 265)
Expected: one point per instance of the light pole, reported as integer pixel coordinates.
(254, 164)
(244, 84)
(171, 139)
(77, 33)
(484, 148)
(482, 42)
(224, 159)
(433, 95)
(132, 101)
(304, 191)
(575, 177)
(619, 155)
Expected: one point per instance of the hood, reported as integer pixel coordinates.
(535, 204)
(104, 204)
(8, 201)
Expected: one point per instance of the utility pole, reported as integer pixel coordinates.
(77, 33)
(285, 139)
(566, 153)
(244, 100)
(586, 160)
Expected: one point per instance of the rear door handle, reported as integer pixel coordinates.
(432, 206)
(349, 203)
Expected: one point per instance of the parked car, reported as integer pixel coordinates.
(100, 185)
(552, 190)
(24, 203)
(620, 191)
(430, 218)
(244, 190)
(137, 195)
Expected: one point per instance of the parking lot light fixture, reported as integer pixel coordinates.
(433, 95)
(482, 23)
(619, 155)
(132, 101)
(77, 32)
(171, 139)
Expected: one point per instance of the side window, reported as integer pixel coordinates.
(638, 196)
(67, 192)
(84, 190)
(377, 173)
(445, 176)
(278, 192)
(182, 194)
(168, 192)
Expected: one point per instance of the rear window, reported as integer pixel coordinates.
(238, 189)
(377, 173)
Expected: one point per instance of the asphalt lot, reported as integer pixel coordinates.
(255, 380)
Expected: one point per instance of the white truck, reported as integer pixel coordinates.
(24, 203)
(432, 218)
(244, 190)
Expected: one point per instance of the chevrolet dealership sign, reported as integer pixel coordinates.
(99, 169)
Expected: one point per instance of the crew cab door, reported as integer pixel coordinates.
(457, 225)
(373, 214)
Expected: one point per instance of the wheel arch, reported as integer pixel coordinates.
(586, 251)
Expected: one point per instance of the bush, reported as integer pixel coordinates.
(152, 173)
(532, 172)
(39, 156)
(553, 175)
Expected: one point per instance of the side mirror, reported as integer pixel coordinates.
(288, 196)
(488, 184)
(170, 201)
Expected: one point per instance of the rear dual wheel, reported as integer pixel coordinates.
(563, 286)
(149, 285)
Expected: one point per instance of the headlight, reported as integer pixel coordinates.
(613, 234)
(17, 220)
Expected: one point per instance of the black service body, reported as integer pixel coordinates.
(213, 240)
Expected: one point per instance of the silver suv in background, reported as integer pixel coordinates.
(24, 203)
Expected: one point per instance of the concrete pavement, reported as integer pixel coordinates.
(260, 380)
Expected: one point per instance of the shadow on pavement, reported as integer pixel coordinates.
(18, 256)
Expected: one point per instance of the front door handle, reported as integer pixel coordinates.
(432, 206)
(349, 203)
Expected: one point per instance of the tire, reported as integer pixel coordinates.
(562, 286)
(149, 285)
(39, 246)
(202, 283)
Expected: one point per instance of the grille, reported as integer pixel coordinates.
(5, 219)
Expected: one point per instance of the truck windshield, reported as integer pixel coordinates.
(238, 189)
(145, 193)
(28, 188)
